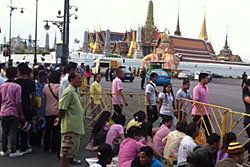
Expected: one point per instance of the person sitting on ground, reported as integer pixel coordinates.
(116, 134)
(235, 156)
(139, 118)
(187, 144)
(213, 143)
(200, 157)
(99, 131)
(140, 121)
(205, 156)
(145, 158)
(104, 155)
(129, 148)
(227, 139)
(173, 140)
(164, 130)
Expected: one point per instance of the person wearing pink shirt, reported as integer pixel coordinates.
(115, 134)
(118, 99)
(51, 92)
(200, 94)
(10, 113)
(130, 147)
(164, 130)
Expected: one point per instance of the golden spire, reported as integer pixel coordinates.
(203, 33)
(132, 47)
(149, 25)
(91, 40)
(178, 31)
(96, 47)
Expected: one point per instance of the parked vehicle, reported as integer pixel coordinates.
(128, 75)
(197, 73)
(163, 76)
(186, 74)
(101, 65)
(216, 75)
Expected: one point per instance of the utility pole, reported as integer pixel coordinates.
(12, 8)
(65, 49)
(35, 49)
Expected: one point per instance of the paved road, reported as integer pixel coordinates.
(222, 92)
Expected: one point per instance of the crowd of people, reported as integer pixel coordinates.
(42, 107)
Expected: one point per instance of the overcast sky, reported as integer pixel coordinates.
(122, 15)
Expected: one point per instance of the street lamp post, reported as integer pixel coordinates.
(35, 49)
(64, 28)
(65, 53)
(11, 10)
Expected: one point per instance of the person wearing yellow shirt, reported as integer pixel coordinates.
(96, 95)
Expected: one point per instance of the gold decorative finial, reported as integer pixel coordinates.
(203, 33)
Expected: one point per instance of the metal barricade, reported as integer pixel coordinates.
(135, 103)
(221, 119)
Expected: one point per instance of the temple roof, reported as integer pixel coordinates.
(188, 45)
(114, 36)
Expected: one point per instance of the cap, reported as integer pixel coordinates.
(235, 148)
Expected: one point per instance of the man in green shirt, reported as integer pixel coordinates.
(71, 116)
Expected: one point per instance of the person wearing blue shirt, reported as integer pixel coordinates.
(145, 159)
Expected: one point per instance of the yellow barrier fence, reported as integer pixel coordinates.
(135, 103)
(221, 119)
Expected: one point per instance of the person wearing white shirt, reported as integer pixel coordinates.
(166, 103)
(151, 98)
(70, 69)
(187, 144)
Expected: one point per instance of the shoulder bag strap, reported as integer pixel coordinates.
(57, 99)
